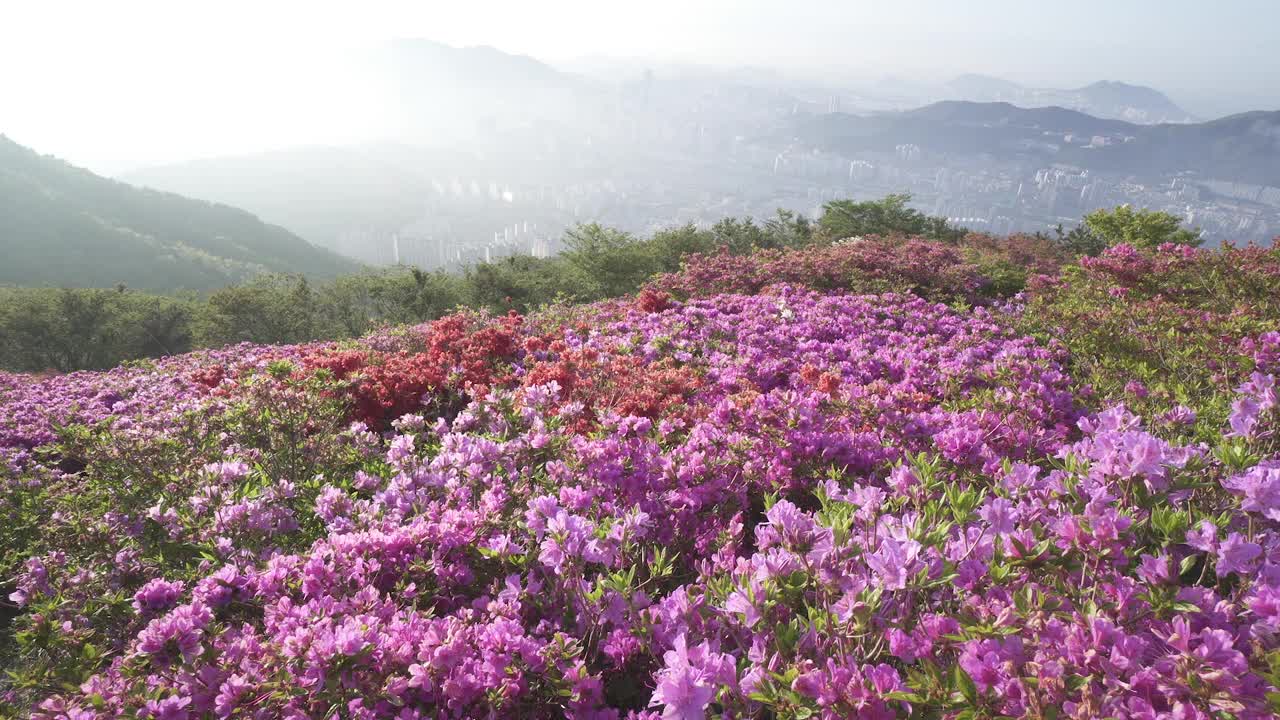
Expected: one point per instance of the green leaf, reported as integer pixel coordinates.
(965, 684)
(1187, 563)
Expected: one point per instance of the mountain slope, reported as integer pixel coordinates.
(1104, 99)
(1003, 114)
(313, 191)
(1242, 148)
(62, 225)
(964, 128)
(1135, 103)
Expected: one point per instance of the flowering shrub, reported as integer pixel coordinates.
(976, 268)
(1008, 263)
(783, 502)
(460, 353)
(929, 268)
(1168, 331)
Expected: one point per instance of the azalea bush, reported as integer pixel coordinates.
(1171, 331)
(1009, 263)
(928, 268)
(790, 484)
(975, 268)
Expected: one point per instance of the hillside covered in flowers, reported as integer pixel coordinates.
(846, 481)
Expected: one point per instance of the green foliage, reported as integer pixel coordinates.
(300, 431)
(89, 329)
(61, 225)
(523, 282)
(355, 304)
(614, 261)
(1161, 328)
(1140, 228)
(889, 216)
(64, 330)
(741, 236)
(271, 309)
(1008, 262)
(1080, 241)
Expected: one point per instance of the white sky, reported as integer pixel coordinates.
(120, 83)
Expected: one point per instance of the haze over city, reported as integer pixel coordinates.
(164, 81)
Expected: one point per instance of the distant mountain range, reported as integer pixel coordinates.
(1105, 99)
(1240, 148)
(460, 127)
(64, 226)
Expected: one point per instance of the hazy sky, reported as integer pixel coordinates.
(119, 83)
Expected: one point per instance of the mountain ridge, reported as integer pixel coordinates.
(64, 225)
(1109, 99)
(1241, 148)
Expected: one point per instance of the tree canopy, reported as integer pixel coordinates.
(1140, 228)
(888, 216)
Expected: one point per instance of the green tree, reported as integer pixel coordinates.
(270, 309)
(522, 282)
(87, 329)
(788, 229)
(615, 262)
(888, 216)
(669, 245)
(1079, 241)
(418, 296)
(740, 236)
(1140, 228)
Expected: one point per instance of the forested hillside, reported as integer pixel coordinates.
(64, 226)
